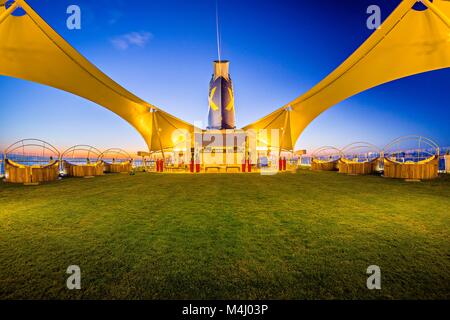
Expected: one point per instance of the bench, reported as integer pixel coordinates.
(233, 167)
(173, 169)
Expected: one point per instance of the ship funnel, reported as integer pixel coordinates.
(221, 98)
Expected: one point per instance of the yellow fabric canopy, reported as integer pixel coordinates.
(408, 42)
(30, 49)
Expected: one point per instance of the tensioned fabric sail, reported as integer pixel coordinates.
(409, 42)
(30, 49)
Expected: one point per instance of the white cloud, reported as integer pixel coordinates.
(138, 39)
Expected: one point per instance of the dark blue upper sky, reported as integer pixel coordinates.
(162, 50)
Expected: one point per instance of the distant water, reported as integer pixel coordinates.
(305, 160)
(37, 160)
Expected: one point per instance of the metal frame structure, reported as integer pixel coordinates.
(120, 154)
(430, 152)
(85, 148)
(316, 154)
(355, 149)
(31, 142)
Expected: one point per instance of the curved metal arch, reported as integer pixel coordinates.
(116, 151)
(411, 137)
(82, 147)
(33, 142)
(315, 154)
(431, 143)
(360, 145)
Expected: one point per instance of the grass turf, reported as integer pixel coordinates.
(307, 235)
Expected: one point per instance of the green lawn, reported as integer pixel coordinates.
(306, 235)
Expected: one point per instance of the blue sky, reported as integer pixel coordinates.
(162, 51)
